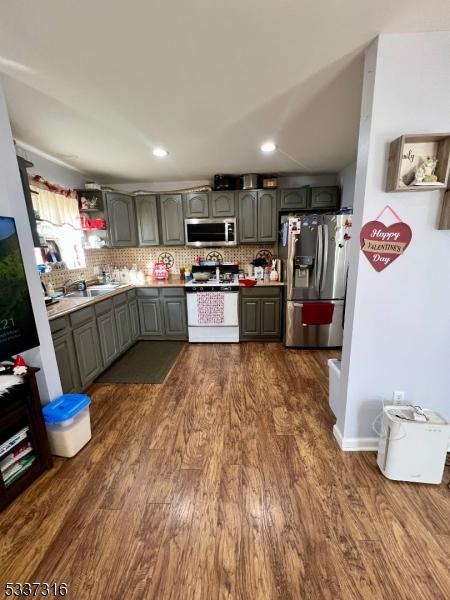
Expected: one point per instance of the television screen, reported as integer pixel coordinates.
(17, 326)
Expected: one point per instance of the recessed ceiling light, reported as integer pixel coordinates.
(268, 147)
(160, 152)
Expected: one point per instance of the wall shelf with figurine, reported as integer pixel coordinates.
(418, 162)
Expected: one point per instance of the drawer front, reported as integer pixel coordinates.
(120, 299)
(261, 292)
(170, 292)
(131, 295)
(148, 292)
(82, 316)
(59, 324)
(103, 307)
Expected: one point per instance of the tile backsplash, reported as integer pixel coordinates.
(175, 257)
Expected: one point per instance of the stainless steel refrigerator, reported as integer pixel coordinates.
(314, 252)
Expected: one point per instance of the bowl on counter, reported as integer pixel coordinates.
(201, 275)
(248, 282)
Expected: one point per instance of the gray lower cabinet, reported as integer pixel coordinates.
(134, 319)
(222, 204)
(250, 321)
(150, 317)
(122, 219)
(196, 205)
(87, 350)
(325, 197)
(107, 335)
(172, 222)
(248, 217)
(260, 314)
(295, 198)
(162, 313)
(66, 360)
(123, 324)
(147, 220)
(174, 310)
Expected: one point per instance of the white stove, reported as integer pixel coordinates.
(213, 308)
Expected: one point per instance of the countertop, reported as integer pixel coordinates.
(68, 305)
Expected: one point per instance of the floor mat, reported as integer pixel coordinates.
(145, 362)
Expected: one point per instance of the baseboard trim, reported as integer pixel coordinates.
(355, 444)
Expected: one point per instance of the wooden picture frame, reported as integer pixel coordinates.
(444, 222)
(405, 155)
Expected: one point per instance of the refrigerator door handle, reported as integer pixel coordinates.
(324, 258)
(319, 260)
(290, 263)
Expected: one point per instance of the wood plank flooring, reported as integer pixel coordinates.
(225, 482)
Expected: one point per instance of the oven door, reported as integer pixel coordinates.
(210, 232)
(231, 310)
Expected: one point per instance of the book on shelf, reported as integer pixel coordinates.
(18, 468)
(18, 453)
(5, 447)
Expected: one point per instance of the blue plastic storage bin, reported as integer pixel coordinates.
(68, 423)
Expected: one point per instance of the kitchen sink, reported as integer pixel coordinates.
(94, 290)
(86, 293)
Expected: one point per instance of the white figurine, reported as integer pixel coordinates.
(425, 172)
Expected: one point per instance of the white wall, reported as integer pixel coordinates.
(346, 179)
(397, 327)
(51, 170)
(12, 204)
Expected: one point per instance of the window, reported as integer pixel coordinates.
(58, 225)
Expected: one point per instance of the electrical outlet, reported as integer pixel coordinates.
(398, 397)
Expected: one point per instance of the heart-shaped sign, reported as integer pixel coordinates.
(382, 244)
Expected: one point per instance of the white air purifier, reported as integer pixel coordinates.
(413, 444)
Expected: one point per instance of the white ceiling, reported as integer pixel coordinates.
(99, 84)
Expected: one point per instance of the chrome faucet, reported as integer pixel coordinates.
(69, 283)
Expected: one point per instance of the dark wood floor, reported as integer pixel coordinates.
(226, 482)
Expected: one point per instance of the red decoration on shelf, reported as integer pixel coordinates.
(20, 366)
(381, 244)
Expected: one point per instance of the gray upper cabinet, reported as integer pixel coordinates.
(248, 217)
(325, 197)
(172, 219)
(88, 352)
(292, 199)
(267, 216)
(196, 205)
(222, 204)
(147, 220)
(122, 219)
(66, 360)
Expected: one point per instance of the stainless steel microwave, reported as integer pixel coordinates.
(210, 232)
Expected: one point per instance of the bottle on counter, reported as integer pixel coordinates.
(187, 275)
